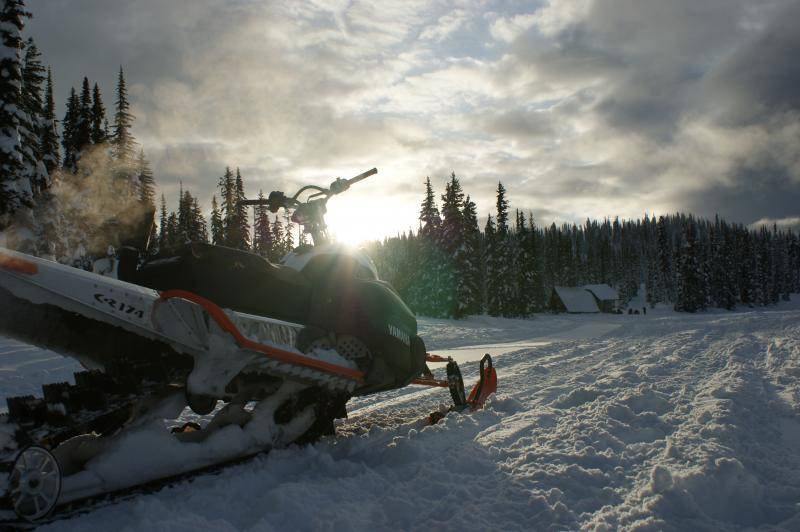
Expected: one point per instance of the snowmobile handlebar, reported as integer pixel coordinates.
(310, 214)
(278, 199)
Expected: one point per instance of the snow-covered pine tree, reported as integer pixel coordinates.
(98, 117)
(51, 156)
(217, 226)
(124, 145)
(15, 187)
(32, 87)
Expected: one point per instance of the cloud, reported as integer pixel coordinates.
(582, 108)
(792, 223)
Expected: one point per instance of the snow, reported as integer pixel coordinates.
(665, 421)
(603, 292)
(576, 299)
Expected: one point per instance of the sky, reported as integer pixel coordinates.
(582, 108)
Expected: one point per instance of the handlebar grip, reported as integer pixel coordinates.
(361, 177)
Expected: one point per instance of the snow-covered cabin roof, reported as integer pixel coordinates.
(603, 292)
(576, 299)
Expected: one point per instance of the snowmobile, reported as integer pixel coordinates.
(264, 355)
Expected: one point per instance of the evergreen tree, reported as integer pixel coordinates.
(217, 227)
(524, 268)
(237, 228)
(83, 127)
(146, 183)
(163, 237)
(16, 190)
(664, 284)
(534, 265)
(429, 212)
(173, 232)
(470, 288)
(691, 297)
(69, 133)
(123, 142)
(262, 239)
(184, 215)
(490, 282)
(278, 249)
(288, 238)
(453, 263)
(51, 156)
(198, 227)
(227, 191)
(98, 117)
(723, 294)
(433, 289)
(32, 85)
(499, 274)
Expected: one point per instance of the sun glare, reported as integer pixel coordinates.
(354, 219)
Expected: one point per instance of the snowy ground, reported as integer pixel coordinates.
(656, 422)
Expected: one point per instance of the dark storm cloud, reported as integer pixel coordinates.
(752, 192)
(763, 76)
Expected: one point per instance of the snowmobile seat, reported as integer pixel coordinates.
(233, 279)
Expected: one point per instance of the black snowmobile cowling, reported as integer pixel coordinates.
(333, 291)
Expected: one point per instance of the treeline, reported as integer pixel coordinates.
(450, 268)
(66, 192)
(269, 236)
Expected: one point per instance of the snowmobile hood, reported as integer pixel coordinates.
(300, 257)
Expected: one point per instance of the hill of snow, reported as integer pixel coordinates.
(659, 422)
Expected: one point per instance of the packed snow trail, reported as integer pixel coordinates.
(668, 422)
